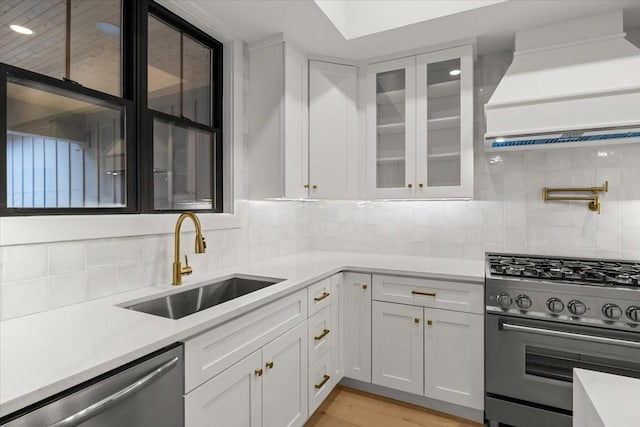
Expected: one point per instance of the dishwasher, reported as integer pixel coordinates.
(146, 392)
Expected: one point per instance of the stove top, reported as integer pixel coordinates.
(574, 270)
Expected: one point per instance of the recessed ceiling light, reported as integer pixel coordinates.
(108, 28)
(454, 72)
(20, 29)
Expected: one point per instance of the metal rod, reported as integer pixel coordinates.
(570, 198)
(603, 189)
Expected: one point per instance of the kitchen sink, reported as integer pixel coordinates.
(181, 304)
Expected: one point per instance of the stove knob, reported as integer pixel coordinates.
(633, 313)
(504, 300)
(612, 311)
(576, 307)
(523, 302)
(554, 305)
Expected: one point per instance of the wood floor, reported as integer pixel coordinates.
(346, 407)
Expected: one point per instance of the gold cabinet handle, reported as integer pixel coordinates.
(324, 333)
(258, 372)
(429, 322)
(306, 186)
(421, 185)
(323, 382)
(416, 320)
(321, 297)
(364, 286)
(315, 187)
(269, 365)
(427, 294)
(410, 185)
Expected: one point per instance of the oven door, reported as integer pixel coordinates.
(533, 360)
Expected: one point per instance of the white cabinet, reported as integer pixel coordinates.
(453, 357)
(337, 316)
(357, 326)
(398, 346)
(284, 400)
(278, 121)
(233, 398)
(420, 126)
(320, 334)
(333, 150)
(267, 388)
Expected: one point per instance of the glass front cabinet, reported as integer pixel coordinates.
(420, 126)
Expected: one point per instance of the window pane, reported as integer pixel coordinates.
(95, 44)
(197, 79)
(63, 150)
(182, 167)
(44, 50)
(163, 69)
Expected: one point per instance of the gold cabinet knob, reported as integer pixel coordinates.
(364, 286)
(315, 187)
(259, 372)
(429, 322)
(306, 186)
(416, 320)
(410, 185)
(421, 185)
(269, 365)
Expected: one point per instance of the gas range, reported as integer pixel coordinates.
(603, 293)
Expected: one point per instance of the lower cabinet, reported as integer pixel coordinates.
(454, 357)
(398, 336)
(356, 339)
(267, 388)
(337, 356)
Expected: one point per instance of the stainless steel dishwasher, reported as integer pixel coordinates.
(146, 392)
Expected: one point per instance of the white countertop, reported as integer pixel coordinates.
(605, 400)
(45, 353)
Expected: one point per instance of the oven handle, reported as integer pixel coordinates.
(563, 334)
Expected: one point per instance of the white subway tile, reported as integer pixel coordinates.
(101, 281)
(23, 297)
(129, 250)
(101, 252)
(66, 257)
(66, 289)
(24, 262)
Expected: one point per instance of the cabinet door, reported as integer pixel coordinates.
(231, 399)
(444, 124)
(296, 135)
(357, 326)
(398, 347)
(333, 140)
(337, 358)
(284, 386)
(391, 129)
(454, 357)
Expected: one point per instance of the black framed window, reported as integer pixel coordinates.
(87, 88)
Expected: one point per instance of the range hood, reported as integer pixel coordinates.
(573, 83)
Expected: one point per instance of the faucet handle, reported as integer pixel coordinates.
(186, 260)
(186, 270)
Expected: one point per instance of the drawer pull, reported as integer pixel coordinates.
(429, 322)
(427, 294)
(258, 372)
(416, 320)
(364, 286)
(322, 335)
(269, 365)
(321, 297)
(323, 382)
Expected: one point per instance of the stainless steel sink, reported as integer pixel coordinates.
(181, 304)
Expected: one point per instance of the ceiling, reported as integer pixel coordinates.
(304, 22)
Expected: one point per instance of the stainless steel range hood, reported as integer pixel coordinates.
(573, 83)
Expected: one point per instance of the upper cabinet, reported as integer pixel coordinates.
(333, 138)
(278, 122)
(420, 126)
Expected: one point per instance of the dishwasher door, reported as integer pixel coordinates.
(143, 393)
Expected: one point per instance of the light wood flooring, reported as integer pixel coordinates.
(346, 407)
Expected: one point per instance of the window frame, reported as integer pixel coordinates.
(138, 126)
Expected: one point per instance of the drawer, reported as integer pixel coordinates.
(319, 382)
(320, 334)
(319, 296)
(432, 293)
(213, 351)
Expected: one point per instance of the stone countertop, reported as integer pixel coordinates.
(46, 353)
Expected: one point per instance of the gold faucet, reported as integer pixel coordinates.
(178, 269)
